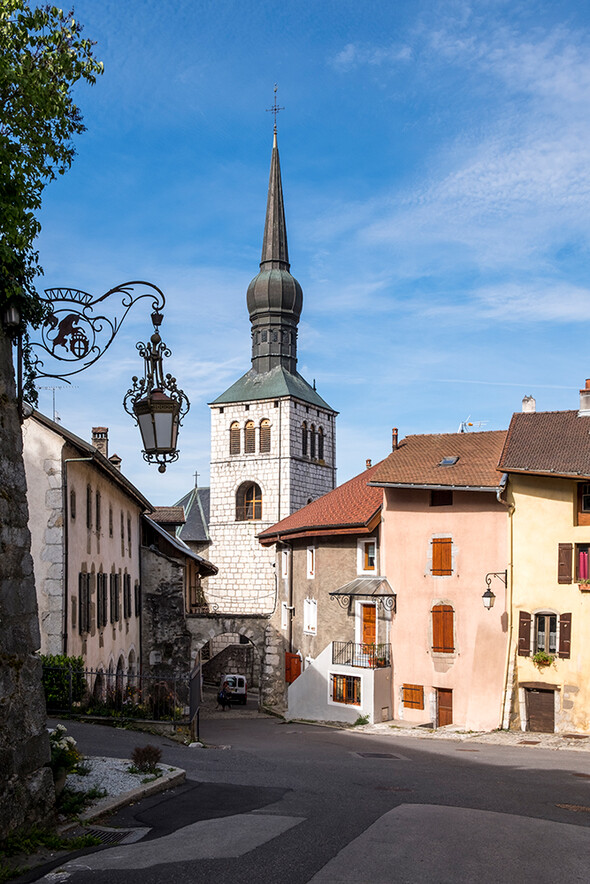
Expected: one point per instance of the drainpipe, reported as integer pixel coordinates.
(509, 574)
(66, 502)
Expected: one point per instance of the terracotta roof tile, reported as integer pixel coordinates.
(350, 505)
(168, 515)
(548, 442)
(417, 460)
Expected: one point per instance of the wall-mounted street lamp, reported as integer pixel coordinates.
(488, 597)
(75, 334)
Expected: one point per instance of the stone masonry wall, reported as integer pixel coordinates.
(27, 795)
(166, 640)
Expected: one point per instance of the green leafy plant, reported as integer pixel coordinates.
(542, 658)
(71, 802)
(362, 719)
(64, 681)
(25, 843)
(145, 759)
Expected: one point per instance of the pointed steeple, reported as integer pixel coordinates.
(274, 296)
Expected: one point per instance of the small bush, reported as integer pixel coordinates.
(146, 758)
(362, 719)
(71, 802)
(64, 681)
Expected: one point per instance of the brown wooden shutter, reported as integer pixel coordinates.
(249, 438)
(265, 436)
(524, 634)
(443, 629)
(565, 634)
(442, 556)
(413, 696)
(564, 563)
(234, 438)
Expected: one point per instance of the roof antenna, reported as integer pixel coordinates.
(275, 109)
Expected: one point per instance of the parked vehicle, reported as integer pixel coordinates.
(237, 685)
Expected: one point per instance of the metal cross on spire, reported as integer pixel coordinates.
(275, 108)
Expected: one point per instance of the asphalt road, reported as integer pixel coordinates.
(291, 803)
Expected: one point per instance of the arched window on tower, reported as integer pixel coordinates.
(264, 436)
(248, 502)
(249, 438)
(234, 438)
(321, 443)
(304, 438)
(312, 441)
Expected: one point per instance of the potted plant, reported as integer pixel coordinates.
(584, 584)
(542, 658)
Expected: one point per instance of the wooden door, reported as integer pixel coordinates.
(540, 710)
(292, 667)
(369, 624)
(445, 707)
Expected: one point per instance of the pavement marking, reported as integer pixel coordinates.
(223, 838)
(438, 844)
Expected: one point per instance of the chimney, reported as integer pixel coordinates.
(100, 439)
(116, 461)
(394, 439)
(368, 463)
(585, 400)
(528, 404)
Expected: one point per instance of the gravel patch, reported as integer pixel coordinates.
(110, 774)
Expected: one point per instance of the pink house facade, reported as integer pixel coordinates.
(445, 527)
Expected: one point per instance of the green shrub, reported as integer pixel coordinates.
(64, 681)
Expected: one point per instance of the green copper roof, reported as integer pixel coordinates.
(273, 384)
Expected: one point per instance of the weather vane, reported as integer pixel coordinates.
(275, 108)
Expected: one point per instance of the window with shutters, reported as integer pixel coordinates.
(413, 696)
(126, 596)
(129, 536)
(248, 502)
(264, 436)
(115, 597)
(545, 631)
(442, 556)
(583, 504)
(83, 602)
(249, 438)
(304, 438)
(234, 438)
(88, 507)
(345, 689)
(582, 556)
(443, 629)
(98, 511)
(101, 600)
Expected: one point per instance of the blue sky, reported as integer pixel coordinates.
(436, 172)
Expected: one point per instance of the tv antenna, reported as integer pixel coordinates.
(467, 425)
(53, 389)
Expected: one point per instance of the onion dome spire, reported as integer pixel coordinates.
(274, 296)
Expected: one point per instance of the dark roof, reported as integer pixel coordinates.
(196, 509)
(348, 508)
(88, 450)
(273, 384)
(556, 442)
(168, 515)
(417, 461)
(206, 568)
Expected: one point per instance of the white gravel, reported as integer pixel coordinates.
(110, 774)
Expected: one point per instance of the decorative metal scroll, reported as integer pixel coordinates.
(387, 602)
(75, 334)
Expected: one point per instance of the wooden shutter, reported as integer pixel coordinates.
(292, 667)
(265, 436)
(249, 438)
(234, 438)
(564, 563)
(443, 629)
(442, 556)
(524, 634)
(565, 634)
(413, 696)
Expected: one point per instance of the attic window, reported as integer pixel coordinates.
(449, 461)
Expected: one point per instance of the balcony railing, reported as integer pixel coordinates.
(362, 655)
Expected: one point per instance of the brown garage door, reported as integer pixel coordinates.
(540, 710)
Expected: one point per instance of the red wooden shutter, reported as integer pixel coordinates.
(565, 634)
(524, 634)
(442, 556)
(292, 667)
(564, 563)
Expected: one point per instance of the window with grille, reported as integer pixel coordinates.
(248, 502)
(249, 438)
(442, 556)
(346, 689)
(234, 438)
(413, 696)
(264, 436)
(443, 629)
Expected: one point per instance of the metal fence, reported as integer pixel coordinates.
(102, 694)
(362, 655)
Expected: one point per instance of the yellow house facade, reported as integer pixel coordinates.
(547, 458)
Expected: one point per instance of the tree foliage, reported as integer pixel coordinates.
(42, 56)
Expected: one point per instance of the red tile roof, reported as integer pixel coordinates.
(417, 461)
(347, 508)
(556, 442)
(168, 515)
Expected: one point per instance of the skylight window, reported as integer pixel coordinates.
(449, 461)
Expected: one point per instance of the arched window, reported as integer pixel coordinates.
(312, 441)
(304, 438)
(249, 438)
(248, 502)
(264, 436)
(234, 438)
(443, 629)
(321, 443)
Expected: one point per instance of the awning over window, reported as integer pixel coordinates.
(377, 589)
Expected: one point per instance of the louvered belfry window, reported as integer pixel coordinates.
(264, 436)
(442, 556)
(234, 438)
(249, 438)
(304, 438)
(443, 629)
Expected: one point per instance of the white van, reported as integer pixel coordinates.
(237, 685)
